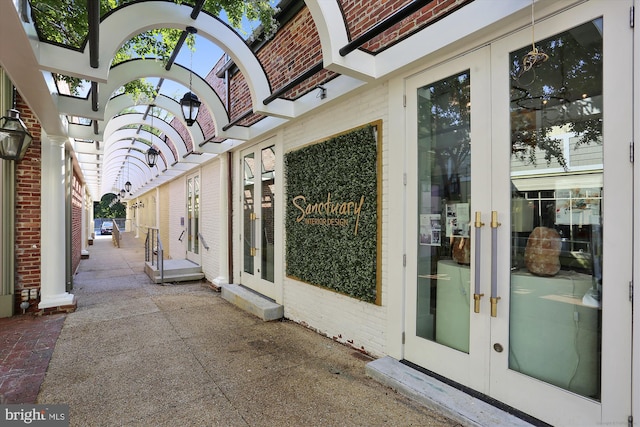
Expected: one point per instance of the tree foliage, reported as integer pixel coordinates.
(106, 209)
(65, 22)
(562, 91)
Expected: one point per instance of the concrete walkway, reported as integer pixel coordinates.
(140, 354)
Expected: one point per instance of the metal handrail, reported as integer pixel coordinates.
(115, 234)
(154, 251)
(204, 242)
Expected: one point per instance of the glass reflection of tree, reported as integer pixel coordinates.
(564, 91)
(444, 118)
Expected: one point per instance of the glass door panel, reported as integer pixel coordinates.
(444, 200)
(560, 178)
(531, 309)
(556, 210)
(193, 218)
(450, 131)
(267, 215)
(259, 168)
(248, 202)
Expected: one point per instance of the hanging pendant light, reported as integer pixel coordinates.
(14, 136)
(151, 154)
(190, 103)
(127, 185)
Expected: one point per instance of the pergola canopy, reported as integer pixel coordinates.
(109, 131)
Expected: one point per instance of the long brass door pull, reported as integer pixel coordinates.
(494, 264)
(477, 295)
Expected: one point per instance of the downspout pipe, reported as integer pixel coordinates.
(230, 215)
(381, 26)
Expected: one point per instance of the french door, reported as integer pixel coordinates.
(258, 226)
(519, 272)
(193, 218)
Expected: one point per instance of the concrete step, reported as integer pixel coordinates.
(175, 270)
(252, 302)
(441, 397)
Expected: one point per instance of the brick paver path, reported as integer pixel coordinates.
(26, 346)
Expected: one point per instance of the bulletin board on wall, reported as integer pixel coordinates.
(332, 217)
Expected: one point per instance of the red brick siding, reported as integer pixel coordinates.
(296, 48)
(77, 201)
(28, 217)
(240, 96)
(361, 17)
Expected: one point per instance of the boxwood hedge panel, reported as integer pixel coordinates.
(332, 213)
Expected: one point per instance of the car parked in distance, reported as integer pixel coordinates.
(106, 228)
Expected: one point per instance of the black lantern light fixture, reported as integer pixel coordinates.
(14, 136)
(152, 153)
(127, 185)
(152, 156)
(190, 103)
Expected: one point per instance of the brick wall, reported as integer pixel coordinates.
(296, 48)
(77, 201)
(177, 211)
(28, 210)
(210, 220)
(347, 320)
(361, 16)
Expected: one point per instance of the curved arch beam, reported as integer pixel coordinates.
(140, 68)
(139, 17)
(123, 141)
(329, 22)
(138, 173)
(117, 158)
(122, 102)
(174, 151)
(141, 176)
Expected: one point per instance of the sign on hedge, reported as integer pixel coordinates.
(332, 213)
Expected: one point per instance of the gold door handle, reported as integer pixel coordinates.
(476, 302)
(494, 306)
(494, 264)
(477, 295)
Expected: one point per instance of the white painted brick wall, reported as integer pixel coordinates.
(165, 214)
(177, 210)
(210, 220)
(348, 320)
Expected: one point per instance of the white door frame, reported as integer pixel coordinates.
(254, 244)
(617, 318)
(193, 253)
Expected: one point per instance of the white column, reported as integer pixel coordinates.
(223, 216)
(53, 225)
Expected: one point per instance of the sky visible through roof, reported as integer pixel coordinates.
(202, 60)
